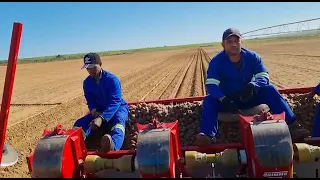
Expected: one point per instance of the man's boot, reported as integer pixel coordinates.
(106, 143)
(204, 140)
(297, 131)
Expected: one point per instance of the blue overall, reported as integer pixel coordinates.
(224, 79)
(316, 121)
(105, 96)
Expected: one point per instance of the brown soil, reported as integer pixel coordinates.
(46, 94)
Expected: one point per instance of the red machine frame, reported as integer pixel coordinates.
(208, 149)
(9, 81)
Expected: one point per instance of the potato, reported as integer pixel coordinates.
(189, 116)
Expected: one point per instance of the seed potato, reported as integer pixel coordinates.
(189, 115)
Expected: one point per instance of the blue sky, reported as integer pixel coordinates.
(66, 28)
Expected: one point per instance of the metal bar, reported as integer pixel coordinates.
(287, 32)
(282, 25)
(215, 148)
(315, 141)
(9, 81)
(200, 98)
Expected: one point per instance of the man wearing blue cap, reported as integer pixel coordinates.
(108, 109)
(237, 79)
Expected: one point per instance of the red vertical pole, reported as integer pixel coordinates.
(8, 86)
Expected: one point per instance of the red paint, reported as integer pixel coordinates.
(9, 81)
(74, 150)
(200, 98)
(255, 170)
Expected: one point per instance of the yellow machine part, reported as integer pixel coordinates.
(306, 153)
(94, 163)
(228, 157)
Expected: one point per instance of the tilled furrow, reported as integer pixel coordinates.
(157, 92)
(165, 94)
(148, 82)
(187, 83)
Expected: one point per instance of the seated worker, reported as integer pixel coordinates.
(237, 79)
(108, 109)
(316, 120)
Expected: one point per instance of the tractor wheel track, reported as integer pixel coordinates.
(148, 82)
(170, 83)
(196, 86)
(191, 83)
(176, 90)
(138, 76)
(203, 71)
(162, 86)
(206, 56)
(156, 85)
(174, 82)
(138, 73)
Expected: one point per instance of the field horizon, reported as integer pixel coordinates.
(63, 57)
(50, 93)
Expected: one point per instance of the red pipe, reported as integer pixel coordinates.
(8, 86)
(200, 98)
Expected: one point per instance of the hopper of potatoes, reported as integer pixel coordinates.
(188, 112)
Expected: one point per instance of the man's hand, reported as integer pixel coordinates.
(96, 123)
(315, 91)
(94, 113)
(230, 105)
(247, 93)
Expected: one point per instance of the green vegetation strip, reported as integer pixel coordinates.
(277, 38)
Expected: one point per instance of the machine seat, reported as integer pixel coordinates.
(233, 117)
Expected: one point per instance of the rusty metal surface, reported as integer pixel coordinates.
(153, 151)
(47, 159)
(273, 144)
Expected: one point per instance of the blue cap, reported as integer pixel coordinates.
(230, 32)
(91, 60)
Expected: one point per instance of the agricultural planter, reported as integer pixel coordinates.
(265, 150)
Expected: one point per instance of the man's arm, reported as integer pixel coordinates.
(114, 101)
(213, 81)
(261, 75)
(89, 97)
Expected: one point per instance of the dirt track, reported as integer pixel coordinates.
(55, 89)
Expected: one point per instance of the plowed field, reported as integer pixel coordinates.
(46, 94)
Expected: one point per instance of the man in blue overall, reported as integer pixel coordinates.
(108, 110)
(237, 79)
(316, 120)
